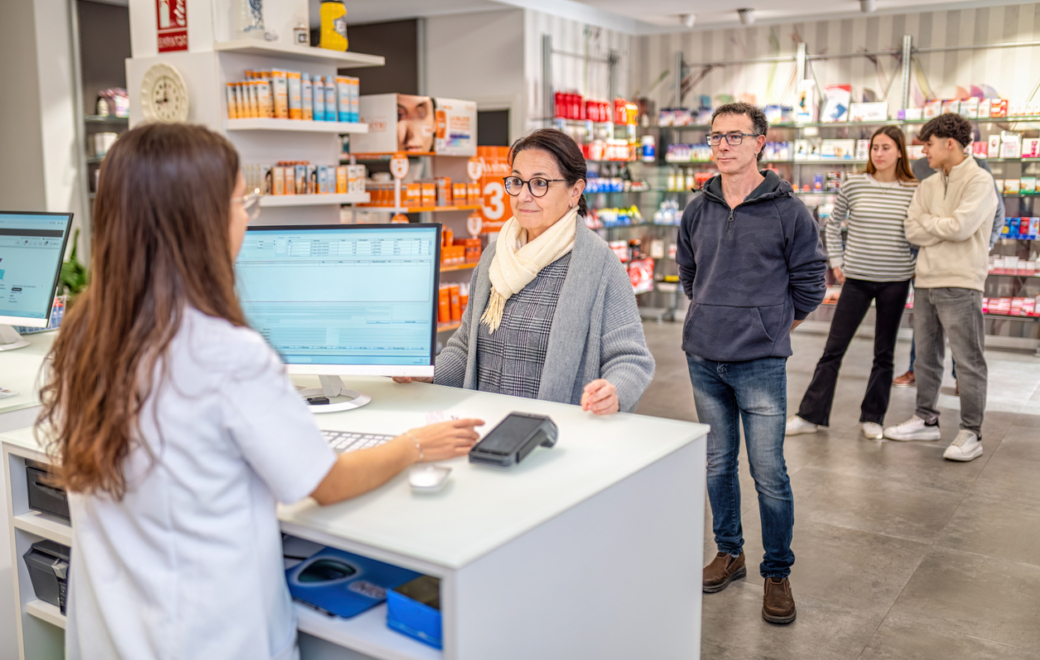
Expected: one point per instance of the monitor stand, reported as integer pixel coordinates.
(331, 387)
(10, 339)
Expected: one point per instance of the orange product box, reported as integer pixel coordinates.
(447, 237)
(290, 179)
(443, 305)
(277, 180)
(444, 191)
(341, 179)
(464, 300)
(473, 193)
(429, 194)
(456, 306)
(459, 194)
(413, 195)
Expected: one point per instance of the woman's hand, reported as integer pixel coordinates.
(839, 276)
(408, 379)
(439, 442)
(600, 397)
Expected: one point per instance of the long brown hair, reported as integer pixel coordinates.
(160, 243)
(903, 171)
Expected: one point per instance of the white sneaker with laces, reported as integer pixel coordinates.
(873, 431)
(912, 429)
(966, 447)
(798, 426)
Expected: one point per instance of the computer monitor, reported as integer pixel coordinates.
(32, 248)
(344, 300)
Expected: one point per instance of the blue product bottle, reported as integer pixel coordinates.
(319, 99)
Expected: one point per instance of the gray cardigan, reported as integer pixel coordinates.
(596, 331)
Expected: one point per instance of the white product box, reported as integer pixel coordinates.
(456, 132)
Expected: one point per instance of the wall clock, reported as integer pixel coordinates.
(164, 95)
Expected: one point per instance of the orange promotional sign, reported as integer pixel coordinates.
(495, 209)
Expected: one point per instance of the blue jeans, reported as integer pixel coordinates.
(754, 392)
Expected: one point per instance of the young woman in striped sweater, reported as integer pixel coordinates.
(876, 265)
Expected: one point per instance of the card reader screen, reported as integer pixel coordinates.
(505, 438)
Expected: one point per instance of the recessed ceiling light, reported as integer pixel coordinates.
(688, 19)
(868, 6)
(747, 16)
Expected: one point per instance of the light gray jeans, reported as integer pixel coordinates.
(955, 313)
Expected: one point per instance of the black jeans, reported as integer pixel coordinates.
(853, 304)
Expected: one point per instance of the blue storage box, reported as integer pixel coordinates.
(414, 609)
(343, 583)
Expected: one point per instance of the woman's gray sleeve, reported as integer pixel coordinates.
(625, 361)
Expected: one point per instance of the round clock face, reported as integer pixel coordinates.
(164, 96)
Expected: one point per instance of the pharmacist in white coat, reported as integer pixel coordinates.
(176, 426)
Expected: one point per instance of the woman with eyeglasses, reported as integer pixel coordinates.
(175, 427)
(552, 314)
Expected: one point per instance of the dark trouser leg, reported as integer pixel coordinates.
(852, 307)
(931, 348)
(761, 391)
(717, 407)
(891, 301)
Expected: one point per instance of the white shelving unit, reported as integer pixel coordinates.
(336, 127)
(366, 633)
(342, 60)
(272, 201)
(39, 625)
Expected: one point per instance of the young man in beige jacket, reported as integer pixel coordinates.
(950, 219)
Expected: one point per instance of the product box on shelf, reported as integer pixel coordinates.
(980, 149)
(416, 124)
(970, 107)
(998, 108)
(952, 106)
(994, 146)
(1031, 148)
(932, 109)
(836, 101)
(1027, 185)
(984, 108)
(877, 111)
(1010, 145)
(1011, 186)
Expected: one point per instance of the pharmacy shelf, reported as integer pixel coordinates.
(984, 120)
(448, 327)
(45, 526)
(422, 209)
(830, 161)
(314, 200)
(299, 125)
(366, 633)
(452, 269)
(99, 119)
(46, 612)
(341, 59)
(380, 155)
(991, 315)
(1023, 275)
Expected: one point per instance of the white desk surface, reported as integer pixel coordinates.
(19, 370)
(481, 508)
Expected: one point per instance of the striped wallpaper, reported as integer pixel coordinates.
(1008, 73)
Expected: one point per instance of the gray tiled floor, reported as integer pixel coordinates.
(900, 554)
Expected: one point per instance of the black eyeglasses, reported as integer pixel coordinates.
(537, 185)
(734, 139)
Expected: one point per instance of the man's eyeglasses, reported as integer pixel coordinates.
(537, 185)
(250, 203)
(734, 139)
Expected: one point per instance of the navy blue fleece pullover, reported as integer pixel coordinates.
(749, 272)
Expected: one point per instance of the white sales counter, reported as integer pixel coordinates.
(591, 549)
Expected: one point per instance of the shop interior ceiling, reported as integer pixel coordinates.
(654, 16)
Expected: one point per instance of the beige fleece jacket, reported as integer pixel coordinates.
(951, 219)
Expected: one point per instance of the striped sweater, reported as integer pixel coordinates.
(876, 249)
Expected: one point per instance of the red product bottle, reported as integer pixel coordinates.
(558, 106)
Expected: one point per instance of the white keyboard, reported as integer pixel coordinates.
(344, 441)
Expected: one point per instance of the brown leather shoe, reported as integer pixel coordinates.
(906, 380)
(778, 604)
(722, 570)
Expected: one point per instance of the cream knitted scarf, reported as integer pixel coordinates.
(518, 261)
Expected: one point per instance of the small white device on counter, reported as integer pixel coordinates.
(428, 478)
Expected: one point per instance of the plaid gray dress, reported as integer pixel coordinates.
(510, 361)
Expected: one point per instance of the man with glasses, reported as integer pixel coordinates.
(751, 261)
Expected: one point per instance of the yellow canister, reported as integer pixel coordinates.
(333, 25)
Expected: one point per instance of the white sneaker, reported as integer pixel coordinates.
(912, 429)
(966, 447)
(873, 431)
(798, 426)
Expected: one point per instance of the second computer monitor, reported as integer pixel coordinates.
(344, 299)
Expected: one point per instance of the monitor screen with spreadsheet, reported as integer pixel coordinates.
(32, 247)
(344, 299)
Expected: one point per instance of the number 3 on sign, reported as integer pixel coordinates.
(494, 201)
